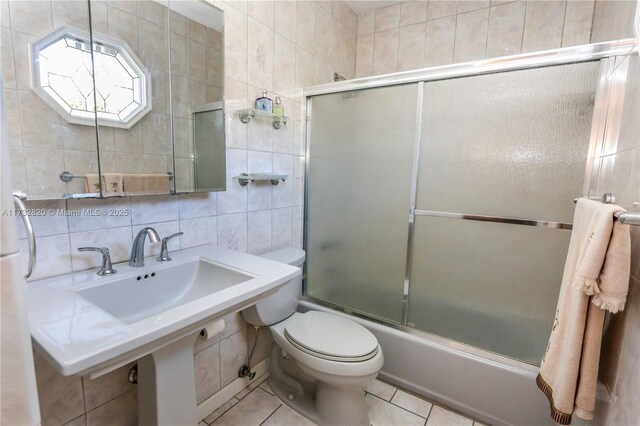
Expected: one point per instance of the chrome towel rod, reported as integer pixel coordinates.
(66, 176)
(629, 218)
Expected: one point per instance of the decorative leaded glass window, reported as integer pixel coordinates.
(61, 74)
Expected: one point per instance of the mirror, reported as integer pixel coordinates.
(134, 108)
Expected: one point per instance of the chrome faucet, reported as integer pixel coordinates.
(137, 250)
(106, 268)
(164, 250)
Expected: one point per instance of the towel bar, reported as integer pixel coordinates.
(629, 218)
(66, 176)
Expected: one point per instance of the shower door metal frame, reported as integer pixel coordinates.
(609, 91)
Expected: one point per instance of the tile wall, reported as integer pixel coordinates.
(620, 175)
(420, 34)
(275, 46)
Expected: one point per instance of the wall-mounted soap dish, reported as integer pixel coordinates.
(275, 178)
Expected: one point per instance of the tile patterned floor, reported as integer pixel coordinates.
(388, 406)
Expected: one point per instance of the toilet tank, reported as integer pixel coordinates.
(284, 302)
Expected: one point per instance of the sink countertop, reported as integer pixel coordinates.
(77, 337)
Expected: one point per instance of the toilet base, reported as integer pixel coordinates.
(320, 402)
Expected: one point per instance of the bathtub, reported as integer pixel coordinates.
(485, 386)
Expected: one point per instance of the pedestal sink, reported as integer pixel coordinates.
(90, 325)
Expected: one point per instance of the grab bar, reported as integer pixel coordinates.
(18, 196)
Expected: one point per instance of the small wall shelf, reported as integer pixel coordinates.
(248, 113)
(275, 178)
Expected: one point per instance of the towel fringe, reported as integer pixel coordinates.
(557, 415)
(588, 285)
(612, 304)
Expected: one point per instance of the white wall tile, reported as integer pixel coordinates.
(207, 372)
(41, 125)
(366, 23)
(283, 191)
(364, 56)
(385, 52)
(324, 34)
(285, 19)
(99, 214)
(612, 20)
(506, 25)
(442, 8)
(12, 116)
(154, 208)
(577, 23)
(5, 20)
(235, 44)
(387, 18)
(259, 231)
(232, 231)
(284, 66)
(198, 231)
(306, 25)
(440, 41)
(281, 228)
(471, 5)
(413, 12)
(543, 25)
(471, 36)
(411, 48)
(31, 17)
(200, 204)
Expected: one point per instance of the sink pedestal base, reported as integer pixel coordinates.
(166, 385)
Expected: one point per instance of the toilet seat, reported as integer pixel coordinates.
(331, 337)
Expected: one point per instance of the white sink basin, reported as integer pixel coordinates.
(133, 298)
(83, 323)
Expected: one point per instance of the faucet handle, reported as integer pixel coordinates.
(106, 268)
(164, 250)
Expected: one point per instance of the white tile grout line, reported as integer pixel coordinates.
(272, 413)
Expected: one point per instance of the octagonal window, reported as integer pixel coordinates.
(61, 74)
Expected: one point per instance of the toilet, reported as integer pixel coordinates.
(320, 362)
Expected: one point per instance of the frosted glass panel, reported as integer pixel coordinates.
(358, 198)
(509, 144)
(490, 285)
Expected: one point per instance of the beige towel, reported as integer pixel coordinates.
(93, 182)
(112, 184)
(156, 184)
(146, 183)
(597, 271)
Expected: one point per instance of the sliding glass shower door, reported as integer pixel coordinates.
(447, 205)
(498, 147)
(358, 193)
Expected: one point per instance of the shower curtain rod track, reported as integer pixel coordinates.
(561, 56)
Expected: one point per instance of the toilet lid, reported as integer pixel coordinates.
(332, 337)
